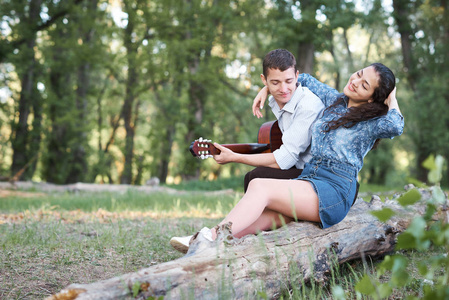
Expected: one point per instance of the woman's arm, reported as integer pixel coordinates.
(323, 91)
(392, 102)
(320, 89)
(259, 101)
(392, 124)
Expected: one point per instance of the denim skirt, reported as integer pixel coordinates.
(335, 184)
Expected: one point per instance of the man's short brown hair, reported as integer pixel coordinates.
(278, 59)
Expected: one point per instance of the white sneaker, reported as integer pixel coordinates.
(207, 233)
(181, 243)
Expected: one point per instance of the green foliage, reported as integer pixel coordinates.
(422, 233)
(409, 198)
(427, 74)
(378, 164)
(384, 214)
(191, 69)
(435, 167)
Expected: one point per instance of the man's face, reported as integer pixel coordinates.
(281, 85)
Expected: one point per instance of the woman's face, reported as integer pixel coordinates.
(361, 86)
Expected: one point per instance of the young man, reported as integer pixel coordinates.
(296, 109)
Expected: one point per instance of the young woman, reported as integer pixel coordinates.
(352, 122)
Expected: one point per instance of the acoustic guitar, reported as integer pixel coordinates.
(269, 139)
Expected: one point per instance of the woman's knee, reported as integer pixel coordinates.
(257, 184)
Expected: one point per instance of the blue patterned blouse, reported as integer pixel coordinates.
(348, 145)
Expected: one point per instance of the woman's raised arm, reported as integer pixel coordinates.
(259, 101)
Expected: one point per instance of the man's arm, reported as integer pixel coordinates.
(255, 160)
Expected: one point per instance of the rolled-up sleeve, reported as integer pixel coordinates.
(390, 125)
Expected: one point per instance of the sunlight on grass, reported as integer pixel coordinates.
(103, 216)
(108, 206)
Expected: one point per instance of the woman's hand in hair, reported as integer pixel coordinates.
(391, 101)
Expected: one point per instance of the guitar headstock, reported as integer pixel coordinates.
(203, 148)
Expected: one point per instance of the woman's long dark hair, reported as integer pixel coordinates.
(367, 111)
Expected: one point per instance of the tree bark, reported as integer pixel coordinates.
(79, 171)
(237, 268)
(402, 11)
(127, 109)
(305, 47)
(23, 145)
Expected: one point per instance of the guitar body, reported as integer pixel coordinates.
(270, 133)
(269, 139)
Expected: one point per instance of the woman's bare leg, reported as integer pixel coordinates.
(268, 220)
(292, 198)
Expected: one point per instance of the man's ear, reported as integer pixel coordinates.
(264, 80)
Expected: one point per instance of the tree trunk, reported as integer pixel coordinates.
(23, 148)
(127, 110)
(336, 70)
(306, 57)
(57, 160)
(401, 14)
(78, 173)
(305, 51)
(237, 268)
(350, 61)
(166, 154)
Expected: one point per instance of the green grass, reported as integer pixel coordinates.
(52, 240)
(132, 200)
(235, 183)
(48, 241)
(40, 258)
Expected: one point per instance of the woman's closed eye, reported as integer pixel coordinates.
(363, 84)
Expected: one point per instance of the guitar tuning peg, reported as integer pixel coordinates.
(210, 156)
(200, 139)
(202, 156)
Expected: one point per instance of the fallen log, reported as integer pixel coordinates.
(270, 262)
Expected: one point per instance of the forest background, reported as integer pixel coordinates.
(115, 91)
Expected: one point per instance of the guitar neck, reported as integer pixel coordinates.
(251, 148)
(269, 139)
(205, 148)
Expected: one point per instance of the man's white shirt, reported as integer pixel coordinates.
(295, 122)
